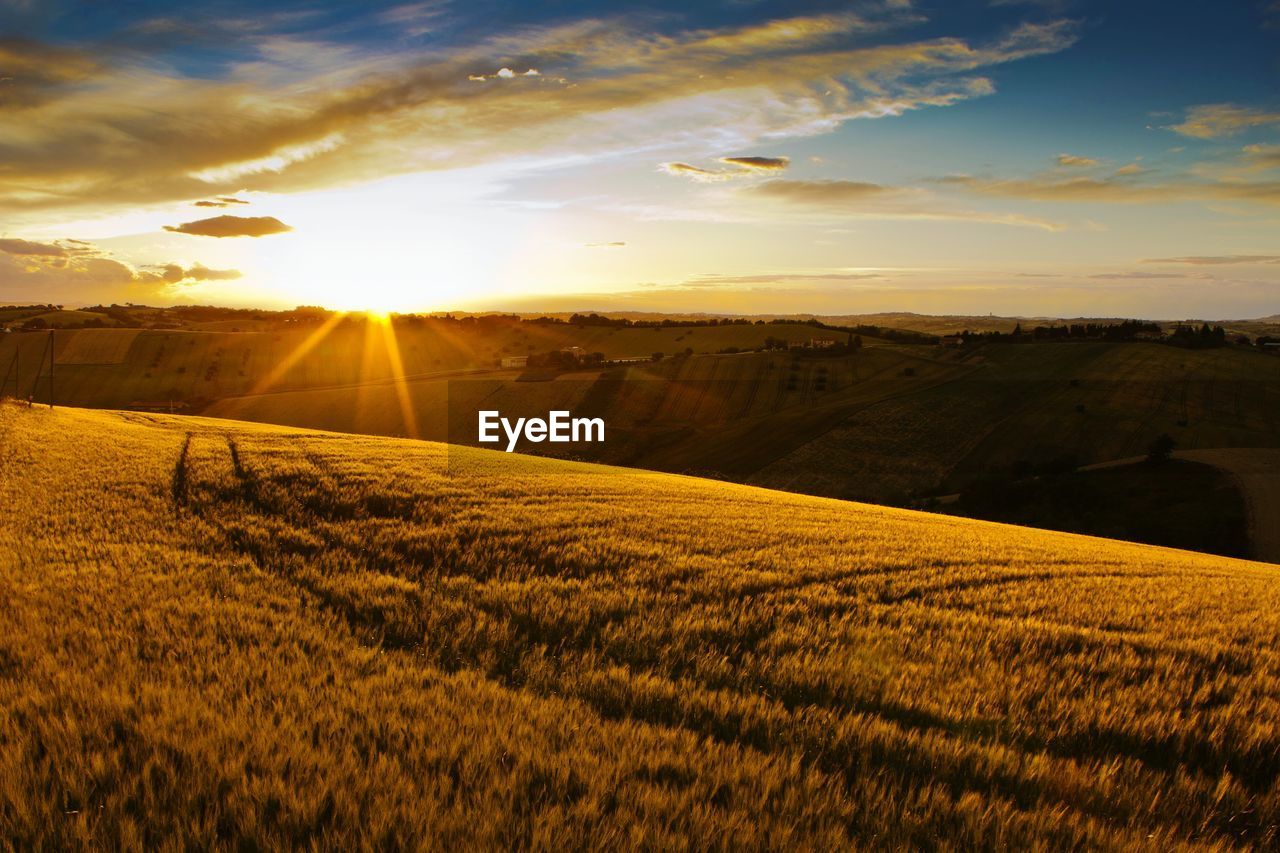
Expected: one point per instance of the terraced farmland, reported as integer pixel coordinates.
(270, 637)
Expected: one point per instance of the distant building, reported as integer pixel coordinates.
(951, 340)
(795, 344)
(822, 343)
(515, 361)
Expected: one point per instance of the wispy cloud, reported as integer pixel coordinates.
(1076, 161)
(220, 201)
(870, 200)
(301, 113)
(1216, 260)
(1118, 189)
(738, 167)
(1210, 121)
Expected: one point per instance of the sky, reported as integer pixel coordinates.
(1032, 157)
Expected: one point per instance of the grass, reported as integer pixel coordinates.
(251, 636)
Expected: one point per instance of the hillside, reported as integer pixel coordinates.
(279, 638)
(889, 422)
(114, 368)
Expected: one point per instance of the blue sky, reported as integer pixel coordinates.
(1046, 157)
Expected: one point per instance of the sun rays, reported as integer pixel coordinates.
(379, 340)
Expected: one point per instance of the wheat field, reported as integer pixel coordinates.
(224, 634)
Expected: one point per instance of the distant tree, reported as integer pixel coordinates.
(1161, 449)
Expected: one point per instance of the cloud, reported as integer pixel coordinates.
(1210, 121)
(615, 244)
(870, 200)
(26, 247)
(696, 173)
(720, 280)
(1215, 260)
(176, 274)
(220, 201)
(298, 112)
(739, 167)
(1262, 156)
(1118, 189)
(766, 164)
(34, 73)
(1073, 160)
(1130, 169)
(823, 192)
(74, 270)
(1117, 276)
(232, 226)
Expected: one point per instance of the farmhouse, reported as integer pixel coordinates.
(821, 343)
(515, 361)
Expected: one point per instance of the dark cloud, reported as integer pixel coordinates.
(767, 164)
(232, 226)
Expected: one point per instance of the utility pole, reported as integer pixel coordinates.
(51, 368)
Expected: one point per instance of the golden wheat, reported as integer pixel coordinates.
(231, 634)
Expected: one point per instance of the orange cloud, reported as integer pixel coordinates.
(306, 114)
(1210, 121)
(1074, 160)
(232, 226)
(26, 247)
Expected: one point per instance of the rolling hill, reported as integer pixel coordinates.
(892, 422)
(116, 367)
(271, 637)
